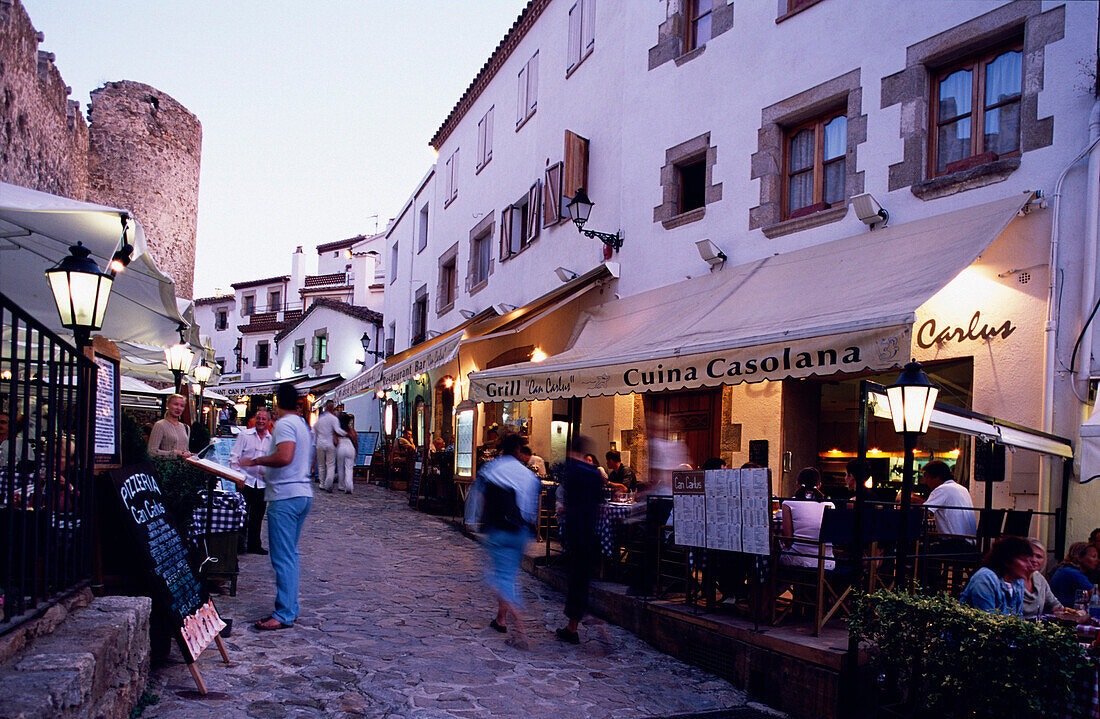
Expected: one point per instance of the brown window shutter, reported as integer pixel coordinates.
(551, 195)
(489, 135)
(588, 33)
(521, 96)
(532, 83)
(574, 35)
(575, 172)
(532, 213)
(506, 232)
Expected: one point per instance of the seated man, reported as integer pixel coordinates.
(619, 473)
(404, 452)
(952, 508)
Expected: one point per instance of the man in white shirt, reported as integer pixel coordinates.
(325, 432)
(252, 443)
(952, 507)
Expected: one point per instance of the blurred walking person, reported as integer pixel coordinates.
(326, 432)
(346, 448)
(503, 501)
(578, 503)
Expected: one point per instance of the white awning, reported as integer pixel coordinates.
(842, 306)
(365, 381)
(430, 355)
(36, 230)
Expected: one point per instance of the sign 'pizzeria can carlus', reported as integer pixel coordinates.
(421, 362)
(852, 352)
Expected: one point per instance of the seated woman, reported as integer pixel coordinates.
(802, 520)
(1070, 577)
(1038, 599)
(998, 586)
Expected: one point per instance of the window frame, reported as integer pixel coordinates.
(818, 123)
(477, 279)
(581, 34)
(691, 20)
(221, 319)
(274, 300)
(298, 358)
(699, 161)
(485, 139)
(248, 305)
(394, 255)
(266, 346)
(320, 348)
(450, 171)
(422, 229)
(418, 325)
(977, 63)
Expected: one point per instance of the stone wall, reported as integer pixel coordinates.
(139, 149)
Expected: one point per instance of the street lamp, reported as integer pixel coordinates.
(580, 207)
(365, 341)
(81, 292)
(912, 398)
(202, 376)
(179, 357)
(389, 427)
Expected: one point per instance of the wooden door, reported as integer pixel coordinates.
(688, 417)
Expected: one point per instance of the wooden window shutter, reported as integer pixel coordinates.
(489, 135)
(574, 55)
(575, 171)
(532, 213)
(481, 143)
(551, 195)
(516, 233)
(454, 175)
(506, 232)
(521, 96)
(532, 83)
(588, 30)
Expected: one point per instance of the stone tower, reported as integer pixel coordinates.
(144, 151)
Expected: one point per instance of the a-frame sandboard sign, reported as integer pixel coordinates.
(161, 547)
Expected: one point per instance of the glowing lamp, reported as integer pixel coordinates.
(80, 291)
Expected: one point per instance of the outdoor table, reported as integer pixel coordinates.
(609, 526)
(228, 515)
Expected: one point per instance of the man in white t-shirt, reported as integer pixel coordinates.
(952, 507)
(325, 431)
(289, 496)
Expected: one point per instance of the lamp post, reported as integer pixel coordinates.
(389, 427)
(580, 207)
(202, 376)
(81, 292)
(179, 357)
(365, 341)
(912, 398)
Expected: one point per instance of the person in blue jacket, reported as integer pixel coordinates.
(998, 586)
(1070, 577)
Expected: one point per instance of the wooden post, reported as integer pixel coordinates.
(197, 677)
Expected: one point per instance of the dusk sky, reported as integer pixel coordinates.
(315, 116)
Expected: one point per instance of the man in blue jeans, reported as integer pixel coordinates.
(289, 495)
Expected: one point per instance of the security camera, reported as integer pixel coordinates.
(869, 211)
(710, 253)
(565, 275)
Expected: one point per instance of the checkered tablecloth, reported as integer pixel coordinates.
(228, 515)
(1086, 697)
(609, 526)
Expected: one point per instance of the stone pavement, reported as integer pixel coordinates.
(395, 623)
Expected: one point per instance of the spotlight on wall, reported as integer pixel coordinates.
(565, 275)
(710, 253)
(503, 308)
(468, 314)
(869, 211)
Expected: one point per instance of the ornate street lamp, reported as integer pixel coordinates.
(179, 358)
(580, 207)
(202, 376)
(367, 351)
(912, 398)
(81, 292)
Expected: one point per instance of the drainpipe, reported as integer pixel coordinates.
(1092, 208)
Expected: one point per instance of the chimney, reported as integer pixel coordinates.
(362, 273)
(297, 277)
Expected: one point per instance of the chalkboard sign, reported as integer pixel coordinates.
(414, 481)
(165, 556)
(367, 443)
(758, 452)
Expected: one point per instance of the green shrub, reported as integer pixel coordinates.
(180, 484)
(950, 660)
(200, 437)
(134, 448)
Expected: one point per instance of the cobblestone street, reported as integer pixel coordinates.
(395, 623)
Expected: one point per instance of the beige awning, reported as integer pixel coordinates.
(842, 306)
(365, 381)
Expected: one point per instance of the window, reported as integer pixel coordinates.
(391, 332)
(482, 258)
(976, 108)
(698, 23)
(485, 139)
(814, 163)
(420, 316)
(422, 241)
(221, 319)
(528, 91)
(249, 305)
(299, 359)
(450, 179)
(447, 289)
(320, 348)
(263, 354)
(393, 263)
(693, 183)
(221, 365)
(582, 21)
(519, 223)
(273, 301)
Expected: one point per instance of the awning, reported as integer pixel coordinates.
(427, 355)
(1090, 448)
(365, 381)
(842, 306)
(36, 230)
(305, 384)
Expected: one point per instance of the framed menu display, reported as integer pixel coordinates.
(107, 432)
(688, 508)
(723, 509)
(755, 510)
(464, 442)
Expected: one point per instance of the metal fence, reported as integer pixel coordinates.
(45, 467)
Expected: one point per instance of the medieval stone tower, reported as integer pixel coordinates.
(144, 150)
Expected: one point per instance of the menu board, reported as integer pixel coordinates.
(107, 417)
(367, 442)
(688, 508)
(414, 481)
(165, 556)
(723, 509)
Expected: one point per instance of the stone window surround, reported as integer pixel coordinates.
(783, 13)
(450, 256)
(487, 227)
(299, 346)
(767, 161)
(697, 148)
(911, 88)
(672, 33)
(321, 332)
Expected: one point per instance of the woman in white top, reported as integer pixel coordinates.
(1038, 599)
(346, 445)
(802, 520)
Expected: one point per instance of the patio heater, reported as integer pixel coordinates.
(912, 398)
(81, 292)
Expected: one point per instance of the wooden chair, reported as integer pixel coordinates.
(1017, 523)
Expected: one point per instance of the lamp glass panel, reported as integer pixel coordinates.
(104, 286)
(897, 407)
(930, 404)
(83, 288)
(61, 296)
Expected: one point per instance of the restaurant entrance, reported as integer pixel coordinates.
(690, 418)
